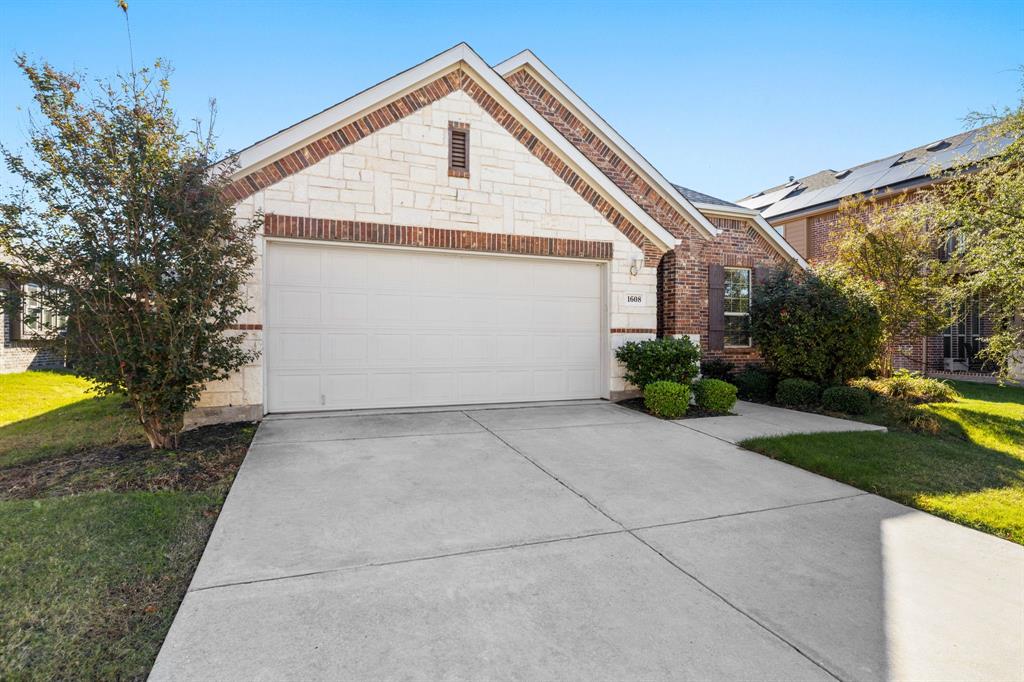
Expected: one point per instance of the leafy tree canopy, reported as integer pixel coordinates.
(121, 219)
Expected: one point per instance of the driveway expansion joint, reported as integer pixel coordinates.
(679, 568)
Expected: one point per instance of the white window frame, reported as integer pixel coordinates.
(750, 296)
(46, 324)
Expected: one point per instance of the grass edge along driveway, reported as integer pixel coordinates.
(100, 536)
(971, 472)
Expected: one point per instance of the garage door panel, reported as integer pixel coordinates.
(343, 308)
(345, 349)
(295, 266)
(344, 268)
(434, 311)
(516, 313)
(296, 348)
(439, 388)
(550, 383)
(475, 348)
(434, 348)
(294, 307)
(390, 308)
(294, 390)
(580, 349)
(516, 348)
(392, 388)
(580, 382)
(392, 349)
(352, 327)
(345, 390)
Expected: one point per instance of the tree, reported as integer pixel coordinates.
(888, 248)
(983, 203)
(121, 221)
(815, 327)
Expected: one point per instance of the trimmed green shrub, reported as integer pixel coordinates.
(755, 384)
(797, 393)
(714, 395)
(815, 327)
(664, 359)
(910, 387)
(667, 399)
(846, 399)
(717, 369)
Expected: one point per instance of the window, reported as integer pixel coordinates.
(37, 321)
(737, 307)
(458, 149)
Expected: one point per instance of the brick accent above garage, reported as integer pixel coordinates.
(321, 229)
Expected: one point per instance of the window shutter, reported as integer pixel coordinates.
(716, 307)
(458, 149)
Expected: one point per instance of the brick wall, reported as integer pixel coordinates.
(683, 273)
(684, 278)
(19, 356)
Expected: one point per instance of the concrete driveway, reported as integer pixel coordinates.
(580, 541)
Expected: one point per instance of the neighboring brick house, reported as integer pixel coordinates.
(805, 211)
(462, 233)
(21, 347)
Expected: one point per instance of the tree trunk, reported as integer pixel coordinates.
(162, 434)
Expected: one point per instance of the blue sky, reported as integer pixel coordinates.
(724, 97)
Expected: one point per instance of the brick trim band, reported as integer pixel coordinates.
(431, 92)
(323, 229)
(632, 330)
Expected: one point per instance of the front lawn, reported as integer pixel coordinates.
(100, 536)
(971, 472)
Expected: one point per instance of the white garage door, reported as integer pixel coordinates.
(354, 327)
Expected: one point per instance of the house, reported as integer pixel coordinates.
(805, 211)
(465, 233)
(24, 338)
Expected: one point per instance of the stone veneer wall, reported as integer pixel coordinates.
(398, 175)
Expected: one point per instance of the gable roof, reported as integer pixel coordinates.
(583, 110)
(699, 197)
(690, 203)
(313, 138)
(910, 168)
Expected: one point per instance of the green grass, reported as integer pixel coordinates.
(99, 535)
(44, 414)
(971, 472)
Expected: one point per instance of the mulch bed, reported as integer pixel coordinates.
(206, 456)
(693, 413)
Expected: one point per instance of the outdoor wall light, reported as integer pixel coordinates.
(635, 265)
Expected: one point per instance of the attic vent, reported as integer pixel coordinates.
(938, 146)
(458, 149)
(842, 174)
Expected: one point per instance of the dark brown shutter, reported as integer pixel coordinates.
(458, 149)
(716, 307)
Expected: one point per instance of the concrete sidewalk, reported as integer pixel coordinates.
(580, 541)
(765, 420)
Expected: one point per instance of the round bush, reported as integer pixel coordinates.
(667, 399)
(717, 368)
(846, 399)
(664, 359)
(754, 384)
(714, 395)
(797, 393)
(815, 327)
